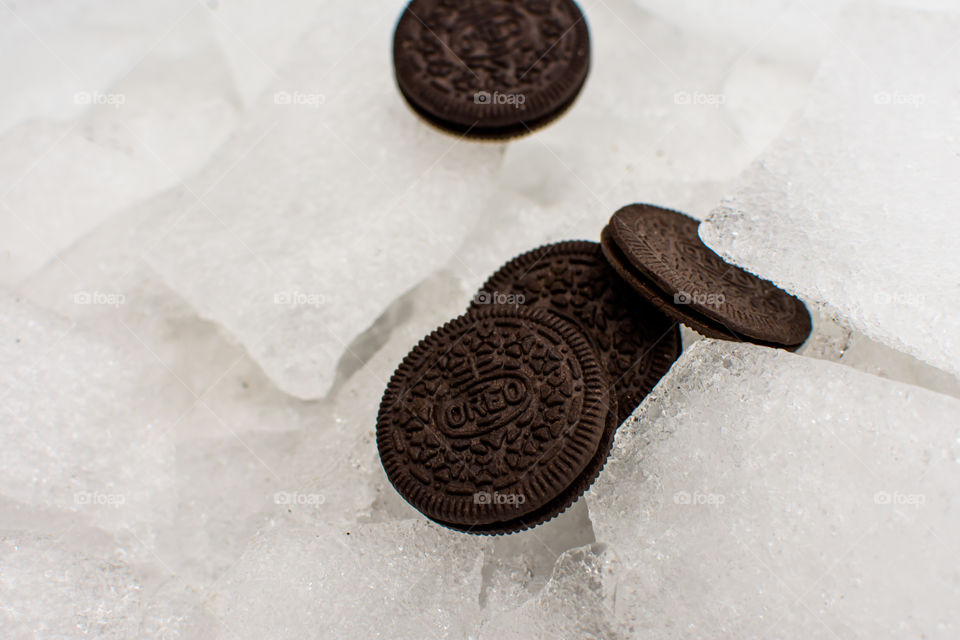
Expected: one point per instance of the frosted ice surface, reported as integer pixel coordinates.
(230, 474)
(333, 474)
(521, 564)
(134, 138)
(58, 587)
(855, 201)
(834, 342)
(795, 31)
(48, 590)
(331, 201)
(65, 44)
(79, 433)
(396, 580)
(685, 120)
(172, 609)
(238, 437)
(225, 490)
(758, 493)
(209, 385)
(256, 38)
(573, 604)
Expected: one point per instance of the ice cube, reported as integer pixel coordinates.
(678, 120)
(332, 200)
(226, 488)
(403, 579)
(79, 433)
(257, 38)
(210, 386)
(521, 564)
(56, 49)
(243, 450)
(63, 587)
(832, 340)
(855, 201)
(798, 32)
(573, 604)
(758, 492)
(156, 124)
(49, 590)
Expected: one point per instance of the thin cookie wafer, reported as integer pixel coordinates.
(659, 252)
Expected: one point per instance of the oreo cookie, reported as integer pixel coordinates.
(491, 68)
(497, 421)
(636, 342)
(660, 254)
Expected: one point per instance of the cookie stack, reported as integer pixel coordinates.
(500, 419)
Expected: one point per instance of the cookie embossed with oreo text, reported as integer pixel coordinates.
(497, 421)
(491, 68)
(659, 253)
(636, 342)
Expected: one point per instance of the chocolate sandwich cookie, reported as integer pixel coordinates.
(491, 68)
(497, 421)
(659, 253)
(564, 499)
(636, 342)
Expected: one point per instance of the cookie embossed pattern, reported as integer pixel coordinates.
(492, 423)
(491, 68)
(636, 343)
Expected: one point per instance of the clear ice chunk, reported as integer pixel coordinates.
(759, 493)
(853, 206)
